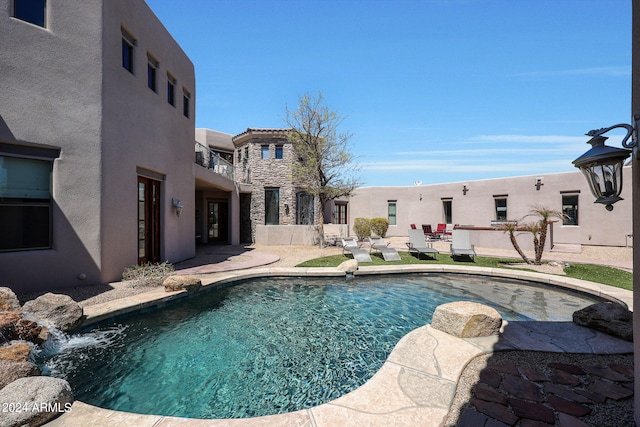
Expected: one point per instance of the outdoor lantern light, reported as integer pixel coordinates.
(602, 165)
(178, 206)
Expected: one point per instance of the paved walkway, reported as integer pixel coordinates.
(417, 384)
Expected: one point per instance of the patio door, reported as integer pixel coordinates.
(148, 220)
(217, 221)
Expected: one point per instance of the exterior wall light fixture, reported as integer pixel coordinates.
(177, 205)
(602, 164)
(464, 189)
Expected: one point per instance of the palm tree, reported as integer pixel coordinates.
(540, 234)
(511, 227)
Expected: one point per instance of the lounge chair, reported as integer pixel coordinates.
(378, 244)
(461, 245)
(350, 245)
(418, 244)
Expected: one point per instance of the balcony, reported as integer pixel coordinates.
(211, 160)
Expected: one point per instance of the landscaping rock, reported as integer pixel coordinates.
(59, 310)
(349, 266)
(607, 317)
(17, 352)
(11, 371)
(178, 283)
(465, 319)
(8, 320)
(8, 300)
(34, 401)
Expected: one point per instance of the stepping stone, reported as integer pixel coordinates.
(521, 388)
(610, 390)
(571, 408)
(495, 410)
(532, 411)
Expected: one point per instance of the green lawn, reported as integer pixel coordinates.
(594, 273)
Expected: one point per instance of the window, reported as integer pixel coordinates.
(272, 206)
(171, 90)
(25, 203)
(501, 209)
(264, 152)
(447, 210)
(304, 211)
(32, 11)
(570, 209)
(340, 216)
(128, 43)
(152, 72)
(186, 96)
(279, 151)
(391, 209)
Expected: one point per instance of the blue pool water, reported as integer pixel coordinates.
(273, 345)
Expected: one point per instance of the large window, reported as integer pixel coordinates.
(391, 210)
(128, 43)
(272, 206)
(32, 11)
(304, 211)
(25, 203)
(570, 209)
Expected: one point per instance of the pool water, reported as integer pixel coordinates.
(273, 345)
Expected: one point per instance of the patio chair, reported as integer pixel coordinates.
(443, 232)
(427, 231)
(350, 245)
(378, 244)
(413, 226)
(461, 245)
(417, 243)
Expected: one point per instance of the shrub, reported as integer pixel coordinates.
(149, 274)
(362, 228)
(379, 226)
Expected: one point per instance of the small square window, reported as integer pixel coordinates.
(279, 151)
(501, 209)
(128, 43)
(152, 74)
(265, 151)
(171, 90)
(32, 11)
(186, 96)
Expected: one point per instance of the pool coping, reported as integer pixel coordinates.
(415, 385)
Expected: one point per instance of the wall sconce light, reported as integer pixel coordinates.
(177, 205)
(420, 196)
(286, 208)
(538, 184)
(602, 164)
(464, 189)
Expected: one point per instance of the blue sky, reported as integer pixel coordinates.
(433, 91)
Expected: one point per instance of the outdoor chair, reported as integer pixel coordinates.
(378, 244)
(461, 244)
(413, 226)
(427, 231)
(350, 245)
(417, 244)
(443, 232)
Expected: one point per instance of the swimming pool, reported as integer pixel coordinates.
(274, 345)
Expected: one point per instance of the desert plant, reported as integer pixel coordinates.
(362, 228)
(511, 228)
(149, 274)
(379, 226)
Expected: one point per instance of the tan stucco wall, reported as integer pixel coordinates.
(423, 205)
(64, 85)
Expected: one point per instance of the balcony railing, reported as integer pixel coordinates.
(211, 160)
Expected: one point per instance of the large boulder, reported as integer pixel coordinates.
(34, 401)
(8, 320)
(465, 319)
(8, 300)
(11, 371)
(608, 317)
(178, 283)
(17, 351)
(58, 310)
(348, 266)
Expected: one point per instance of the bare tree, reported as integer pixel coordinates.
(325, 166)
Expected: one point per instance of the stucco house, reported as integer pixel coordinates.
(97, 125)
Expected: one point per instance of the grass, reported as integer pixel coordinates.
(593, 273)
